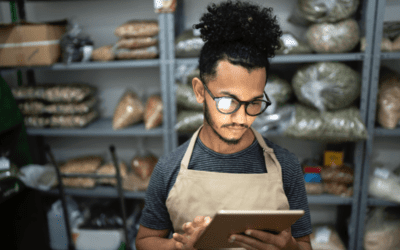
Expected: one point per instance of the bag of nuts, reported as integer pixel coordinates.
(137, 28)
(129, 111)
(153, 116)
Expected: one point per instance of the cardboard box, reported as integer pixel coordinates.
(28, 44)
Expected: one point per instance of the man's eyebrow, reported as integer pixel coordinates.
(227, 93)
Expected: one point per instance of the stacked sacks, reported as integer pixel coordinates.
(326, 92)
(330, 26)
(57, 105)
(137, 40)
(190, 112)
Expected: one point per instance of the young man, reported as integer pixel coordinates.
(226, 164)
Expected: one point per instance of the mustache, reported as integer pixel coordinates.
(235, 125)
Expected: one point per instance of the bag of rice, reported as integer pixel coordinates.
(334, 37)
(327, 85)
(129, 111)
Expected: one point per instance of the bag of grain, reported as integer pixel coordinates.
(334, 37)
(327, 85)
(137, 28)
(325, 237)
(153, 115)
(129, 111)
(389, 99)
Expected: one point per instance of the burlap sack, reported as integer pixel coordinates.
(389, 99)
(129, 111)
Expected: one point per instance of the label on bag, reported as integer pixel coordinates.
(322, 235)
(4, 164)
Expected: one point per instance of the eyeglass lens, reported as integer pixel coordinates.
(227, 105)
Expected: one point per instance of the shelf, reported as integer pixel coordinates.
(387, 132)
(101, 127)
(295, 58)
(390, 55)
(379, 202)
(95, 65)
(99, 192)
(327, 199)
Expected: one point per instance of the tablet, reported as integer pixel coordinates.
(228, 222)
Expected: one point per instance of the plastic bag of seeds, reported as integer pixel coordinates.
(104, 53)
(153, 115)
(334, 37)
(335, 126)
(277, 121)
(327, 85)
(189, 121)
(137, 28)
(279, 92)
(141, 53)
(188, 44)
(290, 44)
(137, 42)
(386, 44)
(318, 11)
(73, 121)
(388, 114)
(129, 111)
(186, 98)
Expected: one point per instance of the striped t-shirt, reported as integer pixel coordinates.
(248, 161)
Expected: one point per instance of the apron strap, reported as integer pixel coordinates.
(271, 163)
(186, 158)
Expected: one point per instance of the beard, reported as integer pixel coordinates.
(208, 118)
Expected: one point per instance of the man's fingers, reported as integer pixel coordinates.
(179, 238)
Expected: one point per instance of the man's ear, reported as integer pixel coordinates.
(198, 89)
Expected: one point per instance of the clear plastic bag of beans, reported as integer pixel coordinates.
(327, 85)
(318, 11)
(290, 44)
(186, 98)
(330, 126)
(137, 28)
(129, 111)
(189, 121)
(388, 114)
(188, 44)
(334, 37)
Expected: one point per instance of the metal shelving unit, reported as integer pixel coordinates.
(373, 129)
(99, 192)
(100, 127)
(368, 20)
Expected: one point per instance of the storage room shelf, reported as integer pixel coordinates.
(95, 65)
(99, 191)
(327, 199)
(379, 202)
(387, 132)
(295, 58)
(101, 127)
(390, 55)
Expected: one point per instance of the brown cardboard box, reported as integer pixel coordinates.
(26, 44)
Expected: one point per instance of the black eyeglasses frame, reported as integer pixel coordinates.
(217, 99)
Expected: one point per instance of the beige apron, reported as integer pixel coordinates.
(202, 193)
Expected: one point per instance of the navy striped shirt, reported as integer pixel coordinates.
(248, 161)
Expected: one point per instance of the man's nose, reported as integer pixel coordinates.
(240, 116)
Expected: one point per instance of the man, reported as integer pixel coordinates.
(226, 164)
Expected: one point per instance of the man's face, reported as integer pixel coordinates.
(236, 81)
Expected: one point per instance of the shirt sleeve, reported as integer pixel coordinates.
(155, 213)
(295, 190)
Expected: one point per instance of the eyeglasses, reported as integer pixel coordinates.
(228, 105)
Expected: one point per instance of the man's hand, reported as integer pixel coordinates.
(192, 230)
(260, 240)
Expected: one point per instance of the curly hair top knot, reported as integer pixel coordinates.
(241, 22)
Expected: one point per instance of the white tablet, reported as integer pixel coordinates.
(228, 222)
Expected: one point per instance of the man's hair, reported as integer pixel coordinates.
(242, 33)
